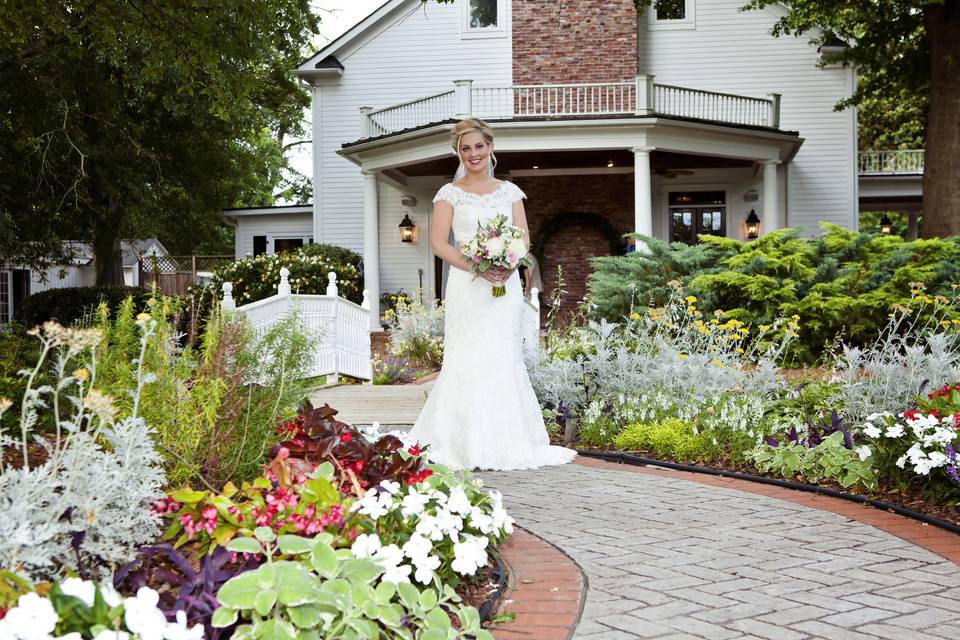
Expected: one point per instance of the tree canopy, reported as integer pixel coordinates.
(141, 118)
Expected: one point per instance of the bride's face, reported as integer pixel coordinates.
(475, 153)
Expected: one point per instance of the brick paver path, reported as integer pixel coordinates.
(670, 558)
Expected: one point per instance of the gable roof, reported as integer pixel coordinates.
(325, 62)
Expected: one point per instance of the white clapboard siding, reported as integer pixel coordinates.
(417, 51)
(72, 276)
(276, 224)
(733, 52)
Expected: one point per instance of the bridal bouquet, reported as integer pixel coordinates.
(497, 244)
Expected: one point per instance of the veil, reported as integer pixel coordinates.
(462, 171)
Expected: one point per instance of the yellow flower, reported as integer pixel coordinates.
(691, 299)
(739, 350)
(634, 316)
(691, 309)
(944, 323)
(81, 374)
(719, 312)
(682, 356)
(715, 362)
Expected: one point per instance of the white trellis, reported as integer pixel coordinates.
(338, 330)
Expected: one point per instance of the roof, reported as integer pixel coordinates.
(267, 211)
(130, 251)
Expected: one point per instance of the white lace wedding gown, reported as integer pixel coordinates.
(482, 412)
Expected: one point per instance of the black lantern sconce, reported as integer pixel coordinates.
(886, 225)
(753, 225)
(406, 229)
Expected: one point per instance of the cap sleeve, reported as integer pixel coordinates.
(446, 193)
(515, 193)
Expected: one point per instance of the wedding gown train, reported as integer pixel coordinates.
(482, 412)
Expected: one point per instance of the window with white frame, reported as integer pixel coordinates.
(484, 18)
(279, 244)
(672, 14)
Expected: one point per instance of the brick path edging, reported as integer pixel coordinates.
(546, 590)
(933, 539)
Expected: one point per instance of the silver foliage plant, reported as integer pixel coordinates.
(665, 362)
(887, 375)
(87, 506)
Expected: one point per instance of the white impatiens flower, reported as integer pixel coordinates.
(365, 545)
(107, 634)
(83, 590)
(178, 630)
(864, 452)
(429, 526)
(901, 461)
(390, 486)
(374, 504)
(413, 503)
(458, 502)
(142, 617)
(469, 554)
(390, 558)
(449, 523)
(425, 568)
(871, 430)
(481, 521)
(417, 547)
(894, 431)
(33, 617)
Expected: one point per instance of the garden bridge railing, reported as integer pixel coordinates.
(338, 329)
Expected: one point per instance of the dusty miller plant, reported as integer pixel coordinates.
(908, 355)
(83, 502)
(416, 332)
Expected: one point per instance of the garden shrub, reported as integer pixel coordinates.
(416, 333)
(828, 460)
(71, 305)
(671, 438)
(214, 407)
(838, 286)
(256, 278)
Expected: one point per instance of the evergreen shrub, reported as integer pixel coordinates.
(256, 278)
(70, 305)
(840, 286)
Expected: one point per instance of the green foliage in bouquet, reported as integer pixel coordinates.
(256, 278)
(841, 285)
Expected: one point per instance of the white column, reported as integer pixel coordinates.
(642, 196)
(463, 98)
(316, 146)
(371, 246)
(771, 197)
(644, 92)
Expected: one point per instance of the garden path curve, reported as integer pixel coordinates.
(670, 558)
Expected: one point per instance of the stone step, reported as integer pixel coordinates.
(365, 404)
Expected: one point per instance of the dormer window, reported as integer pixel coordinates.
(672, 14)
(484, 18)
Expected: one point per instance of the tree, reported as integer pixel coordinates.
(137, 118)
(910, 49)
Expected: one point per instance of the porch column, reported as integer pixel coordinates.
(371, 247)
(771, 197)
(642, 197)
(317, 146)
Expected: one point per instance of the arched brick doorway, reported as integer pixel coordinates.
(570, 240)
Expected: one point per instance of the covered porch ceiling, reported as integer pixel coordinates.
(676, 144)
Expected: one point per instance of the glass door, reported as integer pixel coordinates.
(696, 212)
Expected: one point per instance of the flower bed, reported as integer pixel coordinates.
(342, 535)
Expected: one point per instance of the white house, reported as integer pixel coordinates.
(682, 120)
(80, 271)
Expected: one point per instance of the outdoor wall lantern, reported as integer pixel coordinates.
(886, 226)
(753, 225)
(406, 229)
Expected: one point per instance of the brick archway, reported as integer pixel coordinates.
(570, 240)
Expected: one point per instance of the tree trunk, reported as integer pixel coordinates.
(941, 175)
(107, 256)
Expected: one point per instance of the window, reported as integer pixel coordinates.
(696, 212)
(281, 243)
(484, 18)
(672, 14)
(6, 297)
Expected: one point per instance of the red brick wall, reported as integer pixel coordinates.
(574, 41)
(606, 196)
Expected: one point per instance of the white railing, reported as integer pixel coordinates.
(891, 163)
(408, 115)
(640, 97)
(530, 322)
(710, 105)
(338, 330)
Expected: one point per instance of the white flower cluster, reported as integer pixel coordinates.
(34, 617)
(438, 520)
(931, 434)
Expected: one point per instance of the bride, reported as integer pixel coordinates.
(482, 412)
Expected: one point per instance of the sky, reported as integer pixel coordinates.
(336, 16)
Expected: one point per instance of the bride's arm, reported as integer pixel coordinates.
(440, 236)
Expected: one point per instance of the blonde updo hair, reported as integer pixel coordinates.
(472, 125)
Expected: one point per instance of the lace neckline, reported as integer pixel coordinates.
(503, 183)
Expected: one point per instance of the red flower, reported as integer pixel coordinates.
(910, 414)
(956, 421)
(345, 437)
(934, 413)
(415, 450)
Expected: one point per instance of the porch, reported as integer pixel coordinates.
(637, 142)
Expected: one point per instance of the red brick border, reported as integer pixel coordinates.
(546, 590)
(933, 539)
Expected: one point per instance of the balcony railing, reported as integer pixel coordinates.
(903, 162)
(641, 97)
